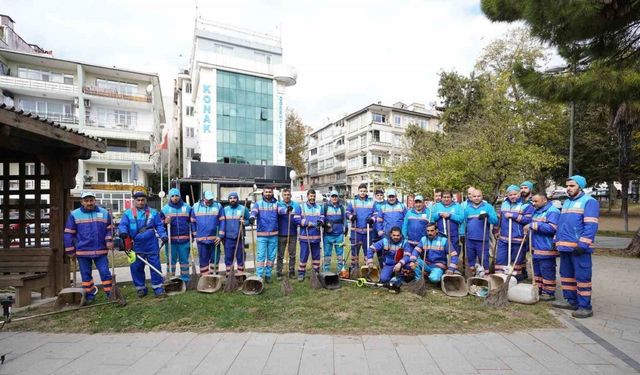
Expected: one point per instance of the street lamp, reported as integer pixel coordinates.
(292, 176)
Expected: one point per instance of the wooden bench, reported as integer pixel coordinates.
(27, 269)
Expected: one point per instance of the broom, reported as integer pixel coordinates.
(420, 286)
(499, 296)
(231, 284)
(286, 288)
(315, 280)
(195, 277)
(355, 273)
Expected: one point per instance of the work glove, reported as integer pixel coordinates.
(328, 227)
(289, 209)
(123, 235)
(445, 214)
(397, 267)
(380, 233)
(354, 218)
(370, 264)
(131, 256)
(252, 220)
(483, 215)
(508, 215)
(370, 221)
(164, 240)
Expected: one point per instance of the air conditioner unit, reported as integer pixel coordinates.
(87, 103)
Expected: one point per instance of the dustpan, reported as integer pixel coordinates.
(372, 275)
(330, 280)
(454, 285)
(252, 285)
(209, 283)
(72, 296)
(527, 294)
(497, 279)
(174, 285)
(478, 286)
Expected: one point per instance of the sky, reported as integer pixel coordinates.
(348, 54)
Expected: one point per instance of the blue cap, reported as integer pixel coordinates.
(581, 181)
(512, 188)
(528, 184)
(391, 192)
(174, 191)
(139, 194)
(418, 198)
(333, 192)
(208, 195)
(86, 194)
(233, 194)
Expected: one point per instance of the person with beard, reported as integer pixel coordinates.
(577, 228)
(447, 214)
(236, 217)
(206, 217)
(287, 233)
(310, 220)
(479, 215)
(415, 221)
(361, 214)
(526, 191)
(176, 214)
(141, 223)
(265, 213)
(88, 237)
(396, 255)
(390, 214)
(437, 250)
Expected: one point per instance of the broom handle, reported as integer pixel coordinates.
(286, 246)
(74, 273)
(150, 265)
(235, 251)
(255, 258)
(518, 254)
(509, 246)
(446, 222)
(530, 251)
(193, 258)
(169, 250)
(484, 231)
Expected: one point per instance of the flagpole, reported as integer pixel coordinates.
(168, 162)
(161, 173)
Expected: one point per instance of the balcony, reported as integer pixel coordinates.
(122, 156)
(32, 85)
(57, 117)
(108, 185)
(97, 91)
(341, 149)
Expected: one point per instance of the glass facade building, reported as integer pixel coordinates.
(244, 118)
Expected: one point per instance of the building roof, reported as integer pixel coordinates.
(87, 141)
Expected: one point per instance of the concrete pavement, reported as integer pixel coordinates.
(607, 343)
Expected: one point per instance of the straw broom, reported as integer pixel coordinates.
(499, 297)
(286, 288)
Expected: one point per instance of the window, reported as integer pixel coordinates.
(364, 161)
(397, 120)
(263, 58)
(43, 75)
(102, 175)
(378, 160)
(190, 152)
(187, 87)
(363, 141)
(314, 151)
(423, 124)
(224, 50)
(377, 117)
(118, 87)
(354, 163)
(115, 118)
(376, 135)
(189, 110)
(57, 111)
(191, 132)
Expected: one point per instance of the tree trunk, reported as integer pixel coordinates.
(634, 246)
(612, 194)
(624, 121)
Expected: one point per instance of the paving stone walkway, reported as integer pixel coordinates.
(608, 343)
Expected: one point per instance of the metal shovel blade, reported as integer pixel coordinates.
(330, 280)
(175, 286)
(454, 285)
(209, 283)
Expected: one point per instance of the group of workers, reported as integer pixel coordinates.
(426, 240)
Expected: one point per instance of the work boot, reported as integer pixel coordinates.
(582, 313)
(300, 278)
(292, 274)
(268, 279)
(141, 293)
(279, 276)
(162, 294)
(564, 305)
(547, 297)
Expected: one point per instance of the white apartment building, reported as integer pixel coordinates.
(123, 107)
(232, 99)
(361, 147)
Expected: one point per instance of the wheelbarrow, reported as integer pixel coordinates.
(72, 296)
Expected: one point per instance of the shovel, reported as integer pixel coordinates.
(253, 285)
(73, 296)
(174, 285)
(329, 280)
(194, 277)
(452, 285)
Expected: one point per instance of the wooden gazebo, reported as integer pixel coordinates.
(38, 165)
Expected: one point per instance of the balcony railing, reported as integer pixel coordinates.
(121, 156)
(97, 91)
(108, 185)
(57, 117)
(25, 83)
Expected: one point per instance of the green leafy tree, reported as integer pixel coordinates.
(295, 130)
(600, 41)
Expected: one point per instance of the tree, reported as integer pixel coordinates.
(493, 131)
(600, 40)
(295, 145)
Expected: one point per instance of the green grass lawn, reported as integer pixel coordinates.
(616, 233)
(349, 310)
